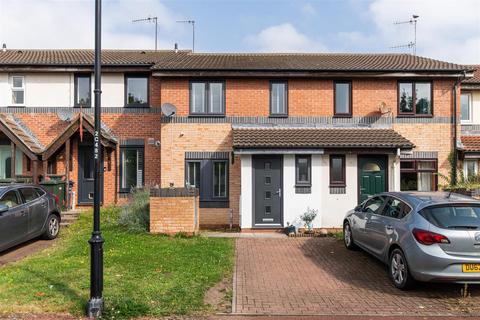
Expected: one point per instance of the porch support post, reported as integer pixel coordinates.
(67, 171)
(45, 169)
(13, 162)
(35, 171)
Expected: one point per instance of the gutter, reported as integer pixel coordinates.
(455, 151)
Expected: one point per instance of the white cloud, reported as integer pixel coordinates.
(447, 30)
(308, 9)
(283, 38)
(69, 24)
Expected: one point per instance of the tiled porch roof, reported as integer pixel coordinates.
(16, 130)
(471, 143)
(291, 137)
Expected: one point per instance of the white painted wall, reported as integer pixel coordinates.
(331, 207)
(57, 89)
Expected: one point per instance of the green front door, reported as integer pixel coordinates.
(371, 176)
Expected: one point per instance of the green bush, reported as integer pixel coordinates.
(135, 216)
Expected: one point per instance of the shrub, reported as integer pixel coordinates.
(135, 216)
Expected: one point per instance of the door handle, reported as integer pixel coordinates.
(279, 192)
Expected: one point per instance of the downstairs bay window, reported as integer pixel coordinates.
(210, 177)
(418, 175)
(131, 167)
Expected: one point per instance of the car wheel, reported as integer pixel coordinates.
(53, 227)
(399, 272)
(348, 237)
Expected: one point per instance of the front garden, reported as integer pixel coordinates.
(145, 275)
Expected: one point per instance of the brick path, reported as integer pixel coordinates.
(318, 276)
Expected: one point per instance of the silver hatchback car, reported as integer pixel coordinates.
(420, 236)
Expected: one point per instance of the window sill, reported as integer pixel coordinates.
(214, 204)
(17, 106)
(415, 116)
(206, 116)
(278, 116)
(83, 107)
(306, 185)
(342, 115)
(133, 106)
(337, 186)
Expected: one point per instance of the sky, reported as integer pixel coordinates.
(447, 30)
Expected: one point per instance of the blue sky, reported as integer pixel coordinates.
(447, 29)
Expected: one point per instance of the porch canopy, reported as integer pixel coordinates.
(251, 140)
(470, 146)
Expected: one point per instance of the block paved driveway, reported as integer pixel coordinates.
(318, 276)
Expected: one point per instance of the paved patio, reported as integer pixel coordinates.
(318, 276)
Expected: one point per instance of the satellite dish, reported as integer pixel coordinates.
(65, 114)
(169, 110)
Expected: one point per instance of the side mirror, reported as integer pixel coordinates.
(358, 208)
(3, 208)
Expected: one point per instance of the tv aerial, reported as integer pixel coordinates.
(411, 44)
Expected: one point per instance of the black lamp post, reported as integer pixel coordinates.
(95, 304)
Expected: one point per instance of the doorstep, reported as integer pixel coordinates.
(243, 234)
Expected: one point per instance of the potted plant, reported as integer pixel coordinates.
(308, 218)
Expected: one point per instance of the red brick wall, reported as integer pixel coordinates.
(172, 215)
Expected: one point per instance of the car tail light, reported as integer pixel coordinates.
(428, 238)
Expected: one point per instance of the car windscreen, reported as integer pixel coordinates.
(453, 216)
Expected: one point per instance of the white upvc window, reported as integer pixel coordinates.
(18, 90)
(466, 111)
(470, 169)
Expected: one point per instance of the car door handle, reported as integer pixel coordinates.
(279, 192)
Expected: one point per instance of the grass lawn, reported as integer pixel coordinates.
(144, 274)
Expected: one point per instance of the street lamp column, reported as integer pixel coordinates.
(95, 304)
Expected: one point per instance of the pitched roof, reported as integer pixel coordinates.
(471, 143)
(82, 57)
(18, 131)
(294, 137)
(476, 75)
(304, 62)
(170, 61)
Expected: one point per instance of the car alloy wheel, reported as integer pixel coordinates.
(53, 226)
(399, 269)
(347, 235)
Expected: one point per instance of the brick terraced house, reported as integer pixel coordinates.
(263, 136)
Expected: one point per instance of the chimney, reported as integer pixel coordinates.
(176, 47)
(4, 47)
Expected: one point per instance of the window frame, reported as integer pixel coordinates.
(414, 99)
(19, 198)
(402, 213)
(75, 89)
(213, 179)
(199, 172)
(465, 167)
(206, 98)
(417, 170)
(206, 188)
(125, 94)
(278, 115)
(350, 102)
(17, 89)
(470, 108)
(309, 168)
(20, 190)
(122, 169)
(339, 183)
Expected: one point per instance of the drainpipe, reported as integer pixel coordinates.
(455, 153)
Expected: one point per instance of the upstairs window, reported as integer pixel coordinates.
(343, 98)
(466, 108)
(303, 170)
(278, 98)
(207, 98)
(415, 98)
(136, 91)
(82, 90)
(18, 90)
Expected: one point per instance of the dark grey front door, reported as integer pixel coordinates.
(267, 191)
(85, 174)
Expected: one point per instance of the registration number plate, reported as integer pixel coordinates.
(471, 267)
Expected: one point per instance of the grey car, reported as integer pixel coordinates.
(432, 237)
(26, 212)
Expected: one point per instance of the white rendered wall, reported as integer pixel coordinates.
(246, 191)
(57, 89)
